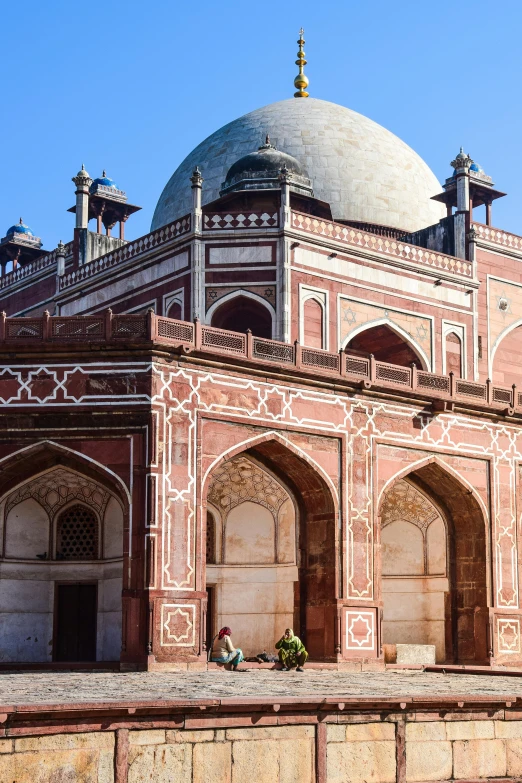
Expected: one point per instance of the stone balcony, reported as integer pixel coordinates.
(296, 361)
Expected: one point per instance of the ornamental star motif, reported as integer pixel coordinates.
(349, 316)
(269, 292)
(212, 294)
(422, 332)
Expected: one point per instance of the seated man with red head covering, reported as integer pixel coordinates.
(223, 651)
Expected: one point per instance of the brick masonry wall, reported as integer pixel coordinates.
(378, 748)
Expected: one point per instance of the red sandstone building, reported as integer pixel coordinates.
(297, 401)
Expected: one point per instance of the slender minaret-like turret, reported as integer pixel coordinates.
(83, 182)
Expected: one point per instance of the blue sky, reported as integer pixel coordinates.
(132, 87)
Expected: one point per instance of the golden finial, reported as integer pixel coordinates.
(300, 81)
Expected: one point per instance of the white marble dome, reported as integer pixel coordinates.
(361, 169)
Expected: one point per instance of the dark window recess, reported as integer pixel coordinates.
(242, 313)
(77, 537)
(211, 539)
(75, 622)
(209, 625)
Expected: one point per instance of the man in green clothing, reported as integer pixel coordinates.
(291, 651)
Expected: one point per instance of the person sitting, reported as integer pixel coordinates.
(223, 651)
(291, 651)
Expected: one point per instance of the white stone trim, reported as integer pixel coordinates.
(177, 296)
(425, 362)
(319, 295)
(453, 327)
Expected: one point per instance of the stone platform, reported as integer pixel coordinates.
(320, 726)
(68, 690)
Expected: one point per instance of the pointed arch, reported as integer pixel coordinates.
(468, 594)
(424, 360)
(506, 366)
(29, 461)
(434, 459)
(34, 463)
(263, 308)
(257, 440)
(316, 502)
(500, 337)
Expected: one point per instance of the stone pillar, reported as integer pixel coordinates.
(198, 250)
(60, 264)
(196, 183)
(285, 293)
(286, 212)
(83, 182)
(461, 165)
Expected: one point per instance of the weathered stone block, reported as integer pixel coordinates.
(272, 732)
(335, 733)
(480, 758)
(255, 760)
(426, 732)
(96, 739)
(147, 737)
(370, 732)
(361, 762)
(7, 767)
(212, 762)
(80, 766)
(428, 761)
(106, 767)
(416, 654)
(470, 729)
(6, 745)
(509, 729)
(205, 735)
(514, 757)
(160, 763)
(296, 761)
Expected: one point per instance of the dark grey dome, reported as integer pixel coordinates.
(262, 169)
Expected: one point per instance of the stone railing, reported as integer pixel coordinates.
(216, 221)
(127, 252)
(388, 246)
(498, 237)
(366, 372)
(33, 267)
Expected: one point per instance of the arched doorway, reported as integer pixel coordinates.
(386, 345)
(61, 551)
(241, 313)
(273, 530)
(175, 311)
(434, 566)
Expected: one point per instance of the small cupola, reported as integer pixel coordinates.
(262, 170)
(19, 246)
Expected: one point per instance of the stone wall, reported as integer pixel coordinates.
(388, 748)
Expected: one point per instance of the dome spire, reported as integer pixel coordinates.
(301, 82)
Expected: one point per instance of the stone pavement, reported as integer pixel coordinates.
(35, 688)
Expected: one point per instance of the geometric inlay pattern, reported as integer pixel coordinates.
(508, 634)
(405, 502)
(360, 630)
(178, 625)
(77, 534)
(56, 488)
(238, 480)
